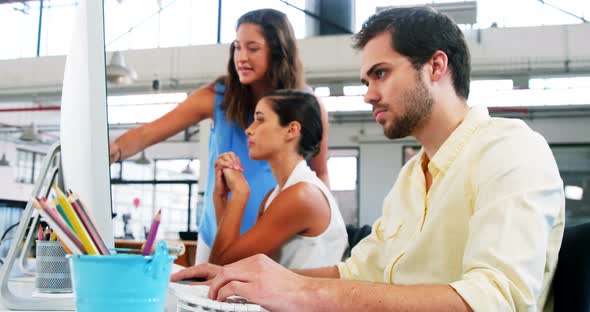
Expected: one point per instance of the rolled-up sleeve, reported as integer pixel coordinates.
(518, 205)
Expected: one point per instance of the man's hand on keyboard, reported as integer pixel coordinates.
(204, 270)
(258, 279)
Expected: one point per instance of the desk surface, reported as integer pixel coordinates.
(186, 260)
(20, 288)
(24, 287)
(27, 287)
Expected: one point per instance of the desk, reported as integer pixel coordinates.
(27, 287)
(23, 287)
(188, 259)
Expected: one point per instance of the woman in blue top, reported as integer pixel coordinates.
(263, 58)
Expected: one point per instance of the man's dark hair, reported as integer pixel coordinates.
(418, 32)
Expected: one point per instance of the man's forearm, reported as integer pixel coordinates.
(340, 295)
(327, 272)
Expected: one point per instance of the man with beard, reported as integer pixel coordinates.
(474, 220)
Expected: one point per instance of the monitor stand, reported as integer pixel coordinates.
(19, 295)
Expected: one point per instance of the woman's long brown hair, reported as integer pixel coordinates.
(285, 69)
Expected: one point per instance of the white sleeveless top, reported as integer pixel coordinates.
(306, 252)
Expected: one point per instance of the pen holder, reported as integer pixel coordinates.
(53, 269)
(122, 282)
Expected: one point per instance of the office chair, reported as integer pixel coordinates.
(355, 235)
(571, 284)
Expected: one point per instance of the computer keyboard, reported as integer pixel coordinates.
(194, 298)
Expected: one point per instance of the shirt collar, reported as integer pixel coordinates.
(454, 144)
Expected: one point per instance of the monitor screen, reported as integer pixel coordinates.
(83, 125)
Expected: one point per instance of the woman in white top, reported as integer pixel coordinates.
(299, 224)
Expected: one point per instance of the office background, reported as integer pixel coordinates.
(531, 60)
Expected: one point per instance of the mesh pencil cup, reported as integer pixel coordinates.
(53, 269)
(122, 282)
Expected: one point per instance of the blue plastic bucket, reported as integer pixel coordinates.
(121, 282)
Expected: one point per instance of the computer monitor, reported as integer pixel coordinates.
(84, 151)
(83, 125)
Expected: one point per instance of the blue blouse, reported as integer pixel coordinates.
(229, 136)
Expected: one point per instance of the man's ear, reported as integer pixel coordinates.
(293, 130)
(439, 62)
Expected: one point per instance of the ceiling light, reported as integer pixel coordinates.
(29, 134)
(118, 72)
(188, 169)
(357, 90)
(322, 91)
(462, 12)
(345, 104)
(142, 160)
(147, 98)
(574, 192)
(3, 161)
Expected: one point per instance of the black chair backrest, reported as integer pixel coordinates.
(355, 235)
(571, 284)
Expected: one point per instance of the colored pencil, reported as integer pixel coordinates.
(147, 248)
(66, 248)
(54, 220)
(88, 223)
(174, 248)
(84, 207)
(75, 221)
(40, 235)
(63, 214)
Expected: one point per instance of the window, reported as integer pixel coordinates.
(57, 22)
(139, 190)
(573, 161)
(488, 93)
(140, 24)
(541, 92)
(233, 9)
(498, 13)
(19, 22)
(343, 172)
(409, 151)
(10, 215)
(129, 24)
(140, 108)
(345, 104)
(28, 165)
